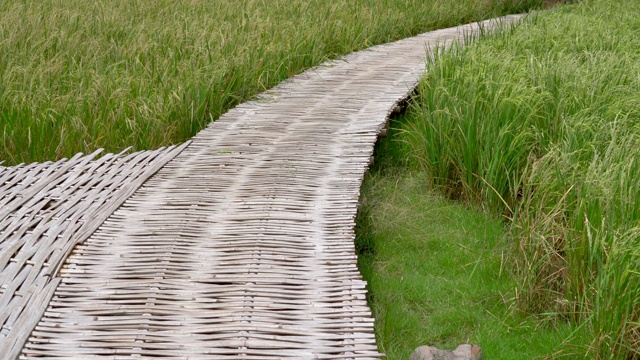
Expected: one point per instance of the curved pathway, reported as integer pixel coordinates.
(242, 246)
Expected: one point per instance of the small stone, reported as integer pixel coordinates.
(462, 352)
(423, 353)
(468, 352)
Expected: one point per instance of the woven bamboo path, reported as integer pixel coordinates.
(241, 245)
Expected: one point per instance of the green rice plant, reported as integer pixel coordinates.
(541, 124)
(476, 152)
(76, 75)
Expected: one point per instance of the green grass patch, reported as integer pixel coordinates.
(76, 75)
(439, 271)
(541, 125)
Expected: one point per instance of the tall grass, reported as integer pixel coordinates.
(436, 269)
(77, 74)
(542, 125)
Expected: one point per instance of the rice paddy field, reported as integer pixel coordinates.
(76, 75)
(540, 127)
(502, 209)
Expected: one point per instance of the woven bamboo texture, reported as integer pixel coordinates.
(242, 246)
(45, 210)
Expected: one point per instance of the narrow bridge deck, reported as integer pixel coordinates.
(242, 246)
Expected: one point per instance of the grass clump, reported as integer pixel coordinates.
(76, 75)
(542, 125)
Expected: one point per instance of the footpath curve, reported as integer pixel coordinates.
(242, 245)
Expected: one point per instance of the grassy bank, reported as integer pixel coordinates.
(76, 75)
(541, 125)
(438, 270)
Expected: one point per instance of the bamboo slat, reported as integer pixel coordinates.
(240, 247)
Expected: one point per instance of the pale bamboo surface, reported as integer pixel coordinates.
(242, 246)
(45, 210)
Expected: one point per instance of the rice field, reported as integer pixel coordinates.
(541, 125)
(537, 127)
(76, 75)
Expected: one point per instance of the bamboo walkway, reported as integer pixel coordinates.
(237, 245)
